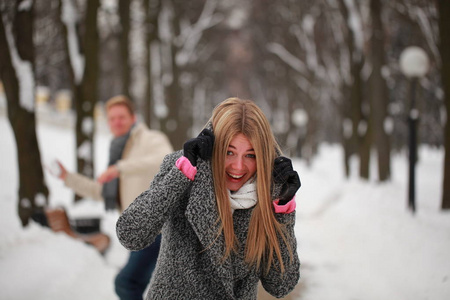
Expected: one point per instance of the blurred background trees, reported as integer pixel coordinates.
(17, 73)
(322, 70)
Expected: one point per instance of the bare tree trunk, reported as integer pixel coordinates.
(239, 63)
(379, 94)
(353, 143)
(84, 82)
(75, 87)
(33, 193)
(365, 150)
(175, 123)
(361, 139)
(124, 13)
(361, 124)
(444, 32)
(85, 103)
(152, 9)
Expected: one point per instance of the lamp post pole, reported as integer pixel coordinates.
(414, 65)
(413, 118)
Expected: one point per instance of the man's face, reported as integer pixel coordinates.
(120, 120)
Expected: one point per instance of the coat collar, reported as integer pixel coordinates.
(202, 214)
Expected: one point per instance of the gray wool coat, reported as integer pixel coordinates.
(190, 264)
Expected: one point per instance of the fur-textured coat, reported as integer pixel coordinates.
(190, 264)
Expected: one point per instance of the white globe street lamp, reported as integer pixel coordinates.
(299, 117)
(414, 64)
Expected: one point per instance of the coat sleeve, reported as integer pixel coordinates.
(274, 282)
(84, 186)
(142, 221)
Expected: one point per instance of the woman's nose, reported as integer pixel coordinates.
(237, 163)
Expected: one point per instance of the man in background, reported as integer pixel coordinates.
(135, 155)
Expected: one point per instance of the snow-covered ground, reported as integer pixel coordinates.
(356, 239)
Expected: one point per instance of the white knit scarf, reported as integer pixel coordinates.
(245, 197)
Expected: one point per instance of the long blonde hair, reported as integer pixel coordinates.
(229, 118)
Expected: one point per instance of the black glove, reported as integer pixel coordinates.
(284, 174)
(201, 146)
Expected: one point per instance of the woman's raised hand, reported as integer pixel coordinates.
(283, 173)
(199, 147)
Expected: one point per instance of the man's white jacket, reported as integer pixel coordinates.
(141, 159)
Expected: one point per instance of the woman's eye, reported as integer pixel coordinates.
(229, 153)
(251, 155)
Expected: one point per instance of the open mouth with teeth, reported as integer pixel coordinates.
(236, 177)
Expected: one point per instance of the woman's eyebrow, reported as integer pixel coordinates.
(249, 150)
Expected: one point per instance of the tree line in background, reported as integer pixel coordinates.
(322, 70)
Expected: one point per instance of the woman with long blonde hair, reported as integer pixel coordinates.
(226, 207)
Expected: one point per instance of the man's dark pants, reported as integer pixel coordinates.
(132, 280)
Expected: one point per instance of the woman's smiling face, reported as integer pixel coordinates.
(240, 162)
